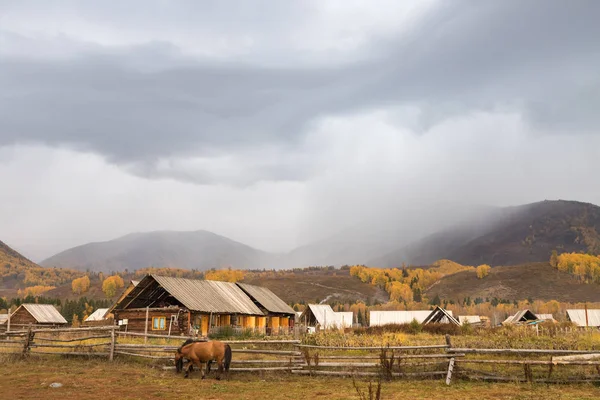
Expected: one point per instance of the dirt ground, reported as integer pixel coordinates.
(120, 380)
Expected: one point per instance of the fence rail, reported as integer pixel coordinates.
(291, 356)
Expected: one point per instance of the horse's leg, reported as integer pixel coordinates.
(220, 368)
(201, 367)
(188, 368)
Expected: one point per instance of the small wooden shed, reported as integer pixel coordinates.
(37, 314)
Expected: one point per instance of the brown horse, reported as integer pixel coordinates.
(199, 353)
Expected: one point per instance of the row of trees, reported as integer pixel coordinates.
(34, 290)
(409, 284)
(225, 275)
(32, 275)
(585, 267)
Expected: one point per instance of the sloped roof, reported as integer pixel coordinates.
(195, 295)
(578, 317)
(126, 291)
(328, 318)
(545, 317)
(3, 318)
(97, 315)
(377, 318)
(266, 298)
(44, 313)
(469, 319)
(521, 316)
(441, 315)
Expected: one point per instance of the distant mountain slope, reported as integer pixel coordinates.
(373, 239)
(16, 272)
(200, 250)
(537, 281)
(513, 235)
(12, 257)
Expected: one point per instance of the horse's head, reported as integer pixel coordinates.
(178, 361)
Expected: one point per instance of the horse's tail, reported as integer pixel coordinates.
(227, 361)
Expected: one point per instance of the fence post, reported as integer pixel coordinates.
(146, 326)
(27, 343)
(112, 344)
(528, 374)
(450, 369)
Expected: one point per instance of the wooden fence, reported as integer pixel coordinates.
(390, 362)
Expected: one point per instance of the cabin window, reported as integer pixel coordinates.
(158, 323)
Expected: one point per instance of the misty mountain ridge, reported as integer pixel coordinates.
(468, 235)
(509, 236)
(200, 250)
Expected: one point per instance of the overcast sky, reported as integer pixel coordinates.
(279, 122)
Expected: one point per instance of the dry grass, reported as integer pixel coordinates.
(102, 380)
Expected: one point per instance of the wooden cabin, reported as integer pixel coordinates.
(36, 314)
(279, 317)
(177, 306)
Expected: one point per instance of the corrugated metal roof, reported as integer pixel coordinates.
(545, 317)
(97, 315)
(208, 296)
(469, 319)
(267, 299)
(328, 318)
(377, 318)
(44, 313)
(578, 317)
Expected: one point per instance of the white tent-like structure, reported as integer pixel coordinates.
(324, 316)
(97, 315)
(378, 318)
(578, 317)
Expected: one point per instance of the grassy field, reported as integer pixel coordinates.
(121, 380)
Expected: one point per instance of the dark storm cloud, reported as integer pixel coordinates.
(149, 102)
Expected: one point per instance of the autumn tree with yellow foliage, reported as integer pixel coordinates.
(111, 285)
(482, 271)
(80, 285)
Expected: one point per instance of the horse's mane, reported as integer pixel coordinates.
(189, 341)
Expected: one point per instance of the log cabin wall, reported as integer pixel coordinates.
(158, 320)
(22, 317)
